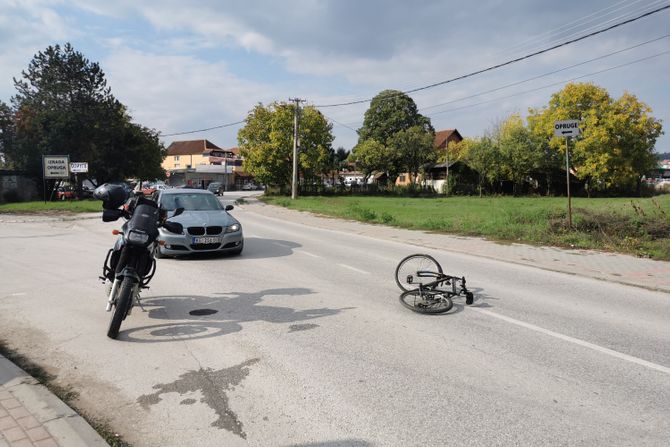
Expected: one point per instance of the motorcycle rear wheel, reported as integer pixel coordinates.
(122, 304)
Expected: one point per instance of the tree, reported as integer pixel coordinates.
(266, 142)
(618, 136)
(7, 132)
(372, 156)
(64, 106)
(520, 153)
(414, 148)
(390, 112)
(482, 155)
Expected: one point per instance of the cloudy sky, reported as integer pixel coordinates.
(182, 66)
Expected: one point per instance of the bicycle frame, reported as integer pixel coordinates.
(457, 284)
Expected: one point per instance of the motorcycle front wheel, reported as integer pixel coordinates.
(124, 298)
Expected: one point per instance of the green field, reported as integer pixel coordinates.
(67, 206)
(639, 226)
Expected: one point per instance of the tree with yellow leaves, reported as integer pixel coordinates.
(618, 136)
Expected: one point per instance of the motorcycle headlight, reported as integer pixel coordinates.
(233, 228)
(137, 237)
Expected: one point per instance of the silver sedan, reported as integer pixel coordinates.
(207, 225)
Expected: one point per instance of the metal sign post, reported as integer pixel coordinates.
(566, 129)
(567, 180)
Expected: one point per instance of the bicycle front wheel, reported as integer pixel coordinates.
(407, 273)
(426, 302)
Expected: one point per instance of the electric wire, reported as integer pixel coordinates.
(509, 62)
(547, 74)
(589, 27)
(202, 130)
(645, 9)
(552, 84)
(531, 40)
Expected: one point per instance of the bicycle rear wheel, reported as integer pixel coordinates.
(406, 273)
(426, 302)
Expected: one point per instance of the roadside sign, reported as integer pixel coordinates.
(56, 166)
(567, 128)
(77, 167)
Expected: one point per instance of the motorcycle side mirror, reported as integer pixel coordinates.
(229, 207)
(173, 227)
(178, 211)
(111, 215)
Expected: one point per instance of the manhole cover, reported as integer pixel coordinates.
(199, 312)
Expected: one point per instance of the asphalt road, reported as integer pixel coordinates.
(309, 346)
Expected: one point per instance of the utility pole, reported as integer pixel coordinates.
(296, 113)
(567, 180)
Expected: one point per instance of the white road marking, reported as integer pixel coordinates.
(308, 253)
(282, 245)
(353, 268)
(576, 341)
(18, 294)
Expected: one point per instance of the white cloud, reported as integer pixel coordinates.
(179, 93)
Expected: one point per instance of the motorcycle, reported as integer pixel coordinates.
(130, 265)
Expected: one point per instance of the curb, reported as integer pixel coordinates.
(37, 414)
(29, 218)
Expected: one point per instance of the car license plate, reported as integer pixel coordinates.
(206, 240)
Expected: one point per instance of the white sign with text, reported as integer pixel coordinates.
(56, 166)
(567, 128)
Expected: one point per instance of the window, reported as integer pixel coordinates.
(176, 158)
(402, 178)
(176, 165)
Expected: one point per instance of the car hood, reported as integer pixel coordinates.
(204, 218)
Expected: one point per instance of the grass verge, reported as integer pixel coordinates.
(67, 206)
(638, 226)
(66, 394)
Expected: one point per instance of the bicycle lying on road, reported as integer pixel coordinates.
(425, 288)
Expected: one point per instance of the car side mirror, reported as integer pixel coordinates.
(229, 207)
(178, 211)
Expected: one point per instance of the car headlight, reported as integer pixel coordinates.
(233, 228)
(138, 237)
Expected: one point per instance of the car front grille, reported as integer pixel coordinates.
(214, 230)
(199, 231)
(196, 231)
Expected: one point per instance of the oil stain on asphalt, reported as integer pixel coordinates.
(212, 384)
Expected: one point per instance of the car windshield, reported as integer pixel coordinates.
(190, 202)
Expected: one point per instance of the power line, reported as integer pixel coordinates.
(339, 123)
(529, 79)
(201, 130)
(551, 85)
(546, 74)
(509, 62)
(582, 20)
(588, 26)
(644, 9)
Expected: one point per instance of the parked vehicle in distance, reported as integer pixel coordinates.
(249, 187)
(215, 188)
(65, 193)
(207, 225)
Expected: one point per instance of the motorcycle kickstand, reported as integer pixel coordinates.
(139, 303)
